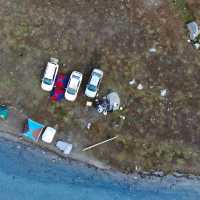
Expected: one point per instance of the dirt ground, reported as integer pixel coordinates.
(143, 40)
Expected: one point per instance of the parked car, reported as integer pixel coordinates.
(50, 74)
(108, 103)
(48, 134)
(94, 83)
(73, 86)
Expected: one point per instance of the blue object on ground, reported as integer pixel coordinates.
(4, 112)
(33, 130)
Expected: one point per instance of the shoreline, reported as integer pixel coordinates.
(54, 156)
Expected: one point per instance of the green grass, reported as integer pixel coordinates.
(183, 9)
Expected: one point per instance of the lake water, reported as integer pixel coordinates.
(27, 174)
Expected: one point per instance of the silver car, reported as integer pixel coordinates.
(94, 83)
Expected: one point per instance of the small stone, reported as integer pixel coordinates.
(152, 50)
(105, 113)
(89, 125)
(163, 93)
(140, 87)
(122, 117)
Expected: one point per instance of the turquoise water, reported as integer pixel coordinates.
(26, 174)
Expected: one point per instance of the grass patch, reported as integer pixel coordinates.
(184, 10)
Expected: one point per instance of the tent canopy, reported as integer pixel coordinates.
(58, 93)
(33, 130)
(114, 101)
(4, 112)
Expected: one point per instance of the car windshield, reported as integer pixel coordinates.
(96, 74)
(47, 81)
(92, 88)
(71, 91)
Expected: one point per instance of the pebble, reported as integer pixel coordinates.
(122, 117)
(132, 82)
(163, 93)
(158, 173)
(152, 50)
(89, 125)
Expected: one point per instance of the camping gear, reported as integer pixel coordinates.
(58, 93)
(194, 34)
(109, 103)
(33, 130)
(4, 112)
(64, 146)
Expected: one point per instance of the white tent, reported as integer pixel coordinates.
(193, 30)
(64, 146)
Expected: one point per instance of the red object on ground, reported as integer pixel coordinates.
(61, 81)
(58, 92)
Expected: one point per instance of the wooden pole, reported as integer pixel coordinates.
(97, 144)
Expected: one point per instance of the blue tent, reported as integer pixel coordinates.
(4, 112)
(33, 130)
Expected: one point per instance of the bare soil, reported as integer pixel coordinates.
(159, 133)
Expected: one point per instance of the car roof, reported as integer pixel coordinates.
(74, 81)
(50, 70)
(95, 79)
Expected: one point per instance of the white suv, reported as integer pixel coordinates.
(94, 82)
(50, 74)
(73, 86)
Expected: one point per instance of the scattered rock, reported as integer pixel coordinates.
(163, 92)
(132, 82)
(152, 50)
(120, 108)
(122, 117)
(140, 87)
(89, 125)
(177, 174)
(158, 173)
